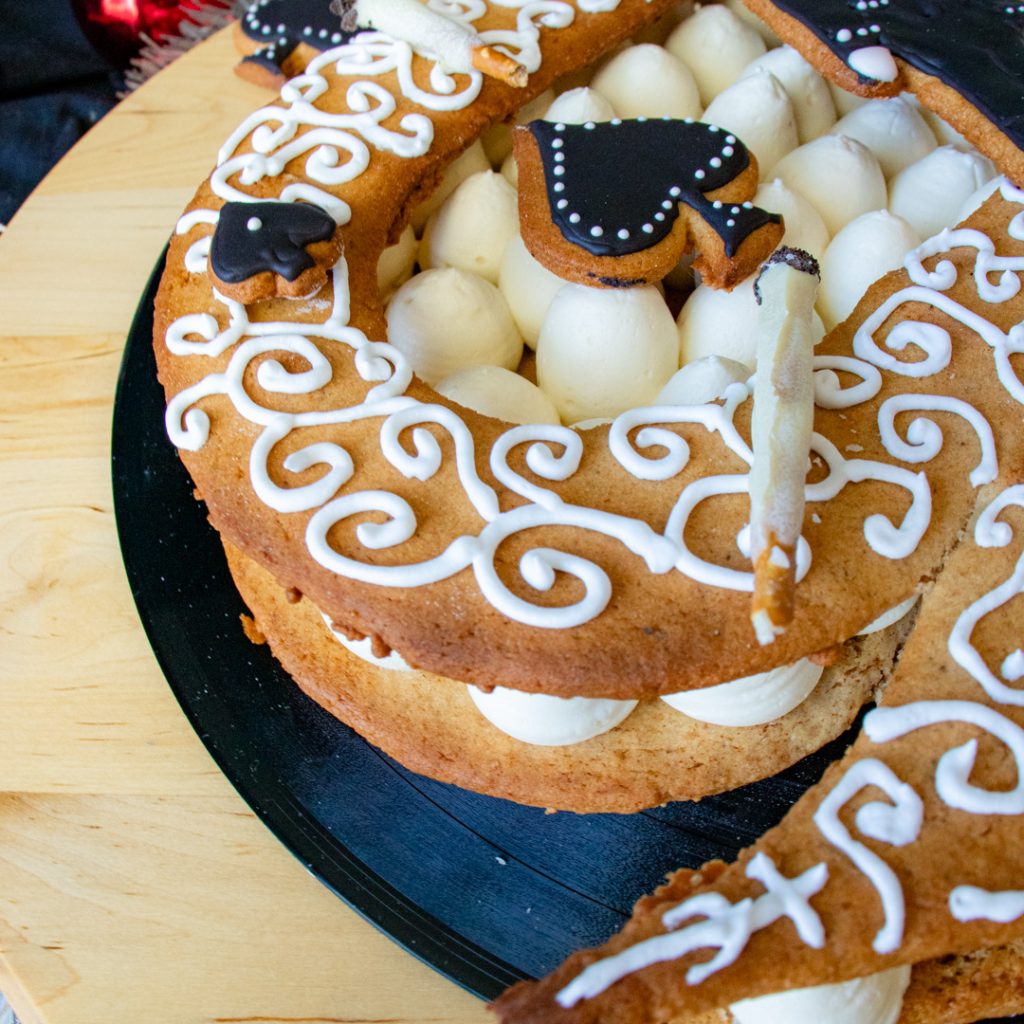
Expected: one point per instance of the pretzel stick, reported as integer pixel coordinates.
(455, 45)
(496, 64)
(780, 428)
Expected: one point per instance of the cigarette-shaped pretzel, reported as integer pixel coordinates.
(456, 45)
(781, 426)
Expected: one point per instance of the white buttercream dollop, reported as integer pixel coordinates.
(702, 381)
(529, 288)
(578, 106)
(974, 201)
(868, 247)
(750, 18)
(395, 265)
(839, 177)
(892, 129)
(549, 721)
(875, 999)
(716, 46)
(845, 101)
(510, 170)
(602, 351)
(889, 618)
(445, 320)
(808, 92)
(469, 162)
(363, 649)
(752, 700)
(804, 228)
(945, 134)
(648, 81)
(757, 109)
(496, 142)
(495, 391)
(929, 193)
(473, 227)
(714, 322)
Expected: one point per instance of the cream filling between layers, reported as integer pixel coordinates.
(889, 618)
(544, 720)
(364, 649)
(876, 999)
(751, 700)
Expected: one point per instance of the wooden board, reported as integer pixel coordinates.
(134, 883)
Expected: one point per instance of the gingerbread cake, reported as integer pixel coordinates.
(559, 577)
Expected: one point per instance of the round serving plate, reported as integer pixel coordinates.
(485, 891)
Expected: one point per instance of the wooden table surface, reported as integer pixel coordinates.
(135, 885)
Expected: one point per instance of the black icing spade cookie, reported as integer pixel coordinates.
(279, 37)
(260, 250)
(617, 203)
(964, 58)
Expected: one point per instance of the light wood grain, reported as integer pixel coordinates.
(135, 885)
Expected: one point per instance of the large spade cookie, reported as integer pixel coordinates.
(588, 221)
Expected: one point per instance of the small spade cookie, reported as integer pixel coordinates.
(962, 58)
(267, 249)
(280, 37)
(589, 215)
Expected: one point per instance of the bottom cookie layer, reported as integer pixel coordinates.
(431, 725)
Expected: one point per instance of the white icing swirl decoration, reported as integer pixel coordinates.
(726, 927)
(990, 532)
(335, 149)
(898, 824)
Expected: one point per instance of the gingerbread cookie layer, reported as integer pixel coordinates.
(905, 851)
(604, 562)
(431, 725)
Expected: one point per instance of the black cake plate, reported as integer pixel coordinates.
(483, 890)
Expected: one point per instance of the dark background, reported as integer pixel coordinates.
(53, 88)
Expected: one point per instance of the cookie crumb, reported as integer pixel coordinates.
(252, 632)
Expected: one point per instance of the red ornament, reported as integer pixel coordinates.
(116, 27)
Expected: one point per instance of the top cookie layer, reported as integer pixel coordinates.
(606, 562)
